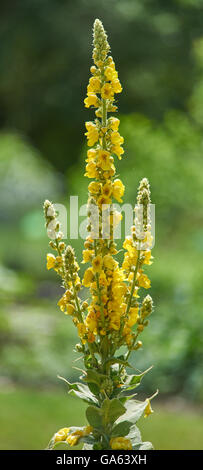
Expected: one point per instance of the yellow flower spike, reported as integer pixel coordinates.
(148, 409)
(106, 322)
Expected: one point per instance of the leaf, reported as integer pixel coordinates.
(117, 360)
(134, 410)
(88, 441)
(121, 429)
(94, 416)
(144, 446)
(134, 435)
(81, 391)
(94, 377)
(111, 410)
(133, 381)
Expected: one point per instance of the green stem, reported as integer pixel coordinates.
(133, 283)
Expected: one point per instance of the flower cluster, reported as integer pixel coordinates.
(113, 316)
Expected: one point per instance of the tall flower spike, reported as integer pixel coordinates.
(113, 314)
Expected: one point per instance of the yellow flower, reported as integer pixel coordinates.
(109, 262)
(70, 309)
(132, 316)
(88, 277)
(87, 255)
(91, 321)
(50, 261)
(90, 337)
(91, 155)
(107, 91)
(94, 187)
(118, 150)
(144, 281)
(116, 138)
(92, 133)
(97, 264)
(148, 409)
(148, 257)
(114, 123)
(114, 322)
(91, 170)
(118, 190)
(109, 73)
(103, 200)
(94, 85)
(102, 279)
(73, 438)
(107, 189)
(103, 160)
(91, 100)
(116, 85)
(120, 443)
(81, 331)
(61, 435)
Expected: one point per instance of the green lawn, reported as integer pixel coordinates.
(29, 418)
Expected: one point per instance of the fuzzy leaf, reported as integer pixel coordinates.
(111, 410)
(134, 410)
(94, 377)
(117, 360)
(81, 391)
(133, 381)
(94, 417)
(121, 429)
(134, 435)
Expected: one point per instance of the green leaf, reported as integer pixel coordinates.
(94, 416)
(116, 360)
(121, 429)
(134, 410)
(81, 391)
(94, 377)
(133, 381)
(111, 410)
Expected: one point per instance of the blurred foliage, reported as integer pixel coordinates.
(44, 61)
(41, 413)
(45, 56)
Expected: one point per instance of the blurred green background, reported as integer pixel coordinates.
(45, 57)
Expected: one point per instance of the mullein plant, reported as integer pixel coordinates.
(113, 317)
